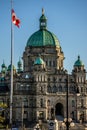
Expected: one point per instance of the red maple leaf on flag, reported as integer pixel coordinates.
(15, 20)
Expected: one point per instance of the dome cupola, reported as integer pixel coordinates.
(78, 62)
(3, 65)
(4, 68)
(9, 69)
(19, 65)
(39, 64)
(39, 61)
(42, 37)
(79, 66)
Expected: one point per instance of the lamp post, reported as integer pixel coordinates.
(67, 126)
(67, 121)
(77, 95)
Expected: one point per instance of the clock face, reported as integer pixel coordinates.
(43, 24)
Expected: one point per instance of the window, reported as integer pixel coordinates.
(49, 89)
(38, 78)
(81, 89)
(48, 79)
(31, 102)
(60, 80)
(25, 102)
(41, 89)
(54, 89)
(41, 115)
(41, 102)
(73, 103)
(43, 24)
(54, 79)
(46, 63)
(60, 88)
(49, 63)
(48, 103)
(25, 115)
(82, 102)
(53, 63)
(41, 77)
(65, 88)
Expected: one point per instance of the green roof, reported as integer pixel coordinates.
(3, 65)
(4, 68)
(19, 63)
(38, 61)
(78, 62)
(9, 68)
(43, 37)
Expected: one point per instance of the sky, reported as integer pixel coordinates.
(67, 19)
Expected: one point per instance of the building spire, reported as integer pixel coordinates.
(42, 11)
(43, 21)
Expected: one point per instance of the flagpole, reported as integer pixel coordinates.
(11, 89)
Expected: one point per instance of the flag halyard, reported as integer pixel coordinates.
(15, 20)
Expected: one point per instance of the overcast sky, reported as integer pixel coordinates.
(67, 19)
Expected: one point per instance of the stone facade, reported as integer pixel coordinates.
(39, 91)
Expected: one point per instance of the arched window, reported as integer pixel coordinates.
(60, 88)
(50, 63)
(54, 89)
(82, 103)
(25, 102)
(41, 88)
(25, 115)
(73, 103)
(53, 63)
(46, 63)
(41, 77)
(81, 89)
(49, 90)
(38, 77)
(65, 88)
(71, 89)
(48, 103)
(41, 102)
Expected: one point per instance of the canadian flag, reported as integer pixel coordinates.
(15, 20)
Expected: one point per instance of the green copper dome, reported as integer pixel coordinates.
(4, 68)
(9, 68)
(38, 61)
(78, 62)
(43, 37)
(19, 64)
(3, 65)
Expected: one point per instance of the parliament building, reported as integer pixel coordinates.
(40, 82)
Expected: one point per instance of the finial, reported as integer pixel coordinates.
(42, 11)
(19, 58)
(78, 57)
(3, 61)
